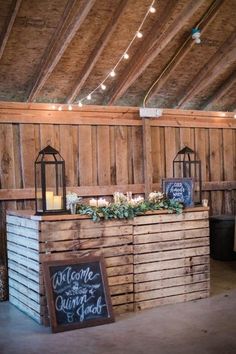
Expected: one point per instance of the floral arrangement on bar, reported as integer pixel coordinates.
(126, 207)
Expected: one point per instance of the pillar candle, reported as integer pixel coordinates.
(57, 202)
(49, 200)
(93, 202)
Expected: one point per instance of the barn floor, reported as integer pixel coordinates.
(202, 327)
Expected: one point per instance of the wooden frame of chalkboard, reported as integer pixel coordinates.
(77, 293)
(179, 189)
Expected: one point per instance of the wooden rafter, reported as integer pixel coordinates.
(94, 56)
(9, 24)
(73, 17)
(189, 44)
(217, 63)
(150, 48)
(221, 91)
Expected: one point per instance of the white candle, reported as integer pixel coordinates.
(49, 201)
(93, 202)
(102, 202)
(57, 202)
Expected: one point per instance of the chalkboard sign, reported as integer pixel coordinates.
(179, 189)
(77, 293)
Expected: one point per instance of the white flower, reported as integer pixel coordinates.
(155, 197)
(72, 199)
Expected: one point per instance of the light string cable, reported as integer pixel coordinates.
(188, 39)
(125, 55)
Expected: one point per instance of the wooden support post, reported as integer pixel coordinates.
(147, 156)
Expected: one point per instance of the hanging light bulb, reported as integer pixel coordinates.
(54, 107)
(152, 9)
(103, 87)
(139, 34)
(89, 97)
(126, 56)
(80, 104)
(112, 73)
(60, 108)
(70, 107)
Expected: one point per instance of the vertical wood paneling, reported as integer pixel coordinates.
(158, 154)
(49, 135)
(29, 136)
(137, 152)
(216, 168)
(68, 149)
(85, 156)
(187, 138)
(172, 146)
(201, 148)
(229, 170)
(103, 156)
(112, 155)
(121, 141)
(7, 180)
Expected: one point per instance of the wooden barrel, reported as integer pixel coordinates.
(3, 283)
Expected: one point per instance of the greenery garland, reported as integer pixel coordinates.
(129, 211)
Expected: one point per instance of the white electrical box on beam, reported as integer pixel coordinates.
(150, 112)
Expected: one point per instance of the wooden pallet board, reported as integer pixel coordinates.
(152, 260)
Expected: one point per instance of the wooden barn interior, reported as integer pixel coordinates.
(118, 88)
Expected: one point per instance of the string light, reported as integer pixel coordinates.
(103, 87)
(125, 55)
(60, 108)
(139, 34)
(70, 107)
(112, 73)
(152, 9)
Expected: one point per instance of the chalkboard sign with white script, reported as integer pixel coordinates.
(179, 189)
(77, 293)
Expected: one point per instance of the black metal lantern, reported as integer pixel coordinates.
(186, 165)
(50, 185)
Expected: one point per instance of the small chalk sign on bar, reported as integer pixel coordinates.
(77, 293)
(179, 189)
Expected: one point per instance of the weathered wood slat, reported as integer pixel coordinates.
(26, 309)
(170, 273)
(171, 235)
(171, 300)
(172, 245)
(166, 283)
(150, 219)
(160, 256)
(163, 227)
(171, 264)
(175, 290)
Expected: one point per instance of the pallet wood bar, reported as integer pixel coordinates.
(154, 259)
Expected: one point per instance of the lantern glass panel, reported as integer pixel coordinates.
(50, 182)
(186, 165)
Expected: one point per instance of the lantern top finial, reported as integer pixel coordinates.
(186, 150)
(48, 150)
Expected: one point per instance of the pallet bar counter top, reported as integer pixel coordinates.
(154, 259)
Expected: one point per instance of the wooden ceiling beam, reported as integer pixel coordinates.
(97, 51)
(173, 64)
(151, 48)
(73, 17)
(224, 56)
(15, 5)
(220, 92)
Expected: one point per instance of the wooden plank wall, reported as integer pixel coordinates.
(104, 151)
